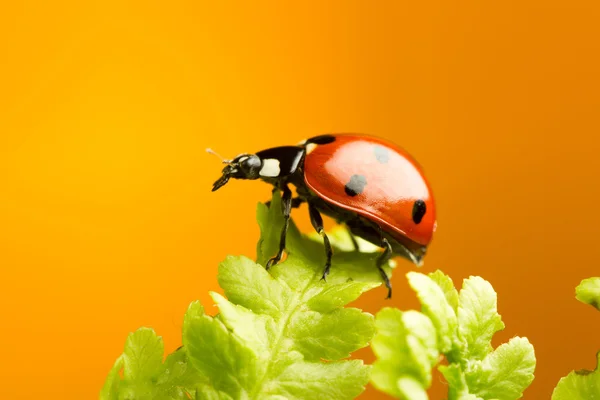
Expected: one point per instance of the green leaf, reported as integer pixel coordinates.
(250, 355)
(410, 388)
(437, 308)
(110, 390)
(583, 384)
(177, 379)
(246, 285)
(406, 350)
(319, 335)
(579, 385)
(281, 334)
(220, 356)
(207, 392)
(478, 319)
(311, 380)
(461, 325)
(504, 373)
(270, 228)
(144, 374)
(445, 283)
(588, 292)
(336, 295)
(457, 384)
(284, 333)
(143, 355)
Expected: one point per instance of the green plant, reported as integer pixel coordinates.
(583, 384)
(282, 334)
(286, 334)
(459, 326)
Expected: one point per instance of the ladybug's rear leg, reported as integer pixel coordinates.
(286, 205)
(353, 239)
(317, 222)
(382, 260)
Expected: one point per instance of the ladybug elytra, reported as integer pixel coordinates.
(372, 186)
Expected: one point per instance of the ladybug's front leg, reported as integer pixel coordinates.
(317, 223)
(286, 205)
(296, 202)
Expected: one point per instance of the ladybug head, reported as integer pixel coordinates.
(244, 166)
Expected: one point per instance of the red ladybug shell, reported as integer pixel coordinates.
(375, 179)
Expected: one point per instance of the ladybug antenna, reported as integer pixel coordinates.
(224, 161)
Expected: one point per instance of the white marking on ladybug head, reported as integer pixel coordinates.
(241, 160)
(270, 168)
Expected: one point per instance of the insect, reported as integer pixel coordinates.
(370, 185)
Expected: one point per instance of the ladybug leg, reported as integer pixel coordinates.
(353, 239)
(296, 202)
(317, 222)
(286, 205)
(381, 261)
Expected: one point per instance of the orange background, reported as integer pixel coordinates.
(107, 222)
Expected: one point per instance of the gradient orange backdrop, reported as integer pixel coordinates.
(107, 222)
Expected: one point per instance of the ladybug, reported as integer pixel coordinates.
(372, 186)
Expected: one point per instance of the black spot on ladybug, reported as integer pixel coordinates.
(418, 211)
(381, 154)
(323, 139)
(356, 185)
